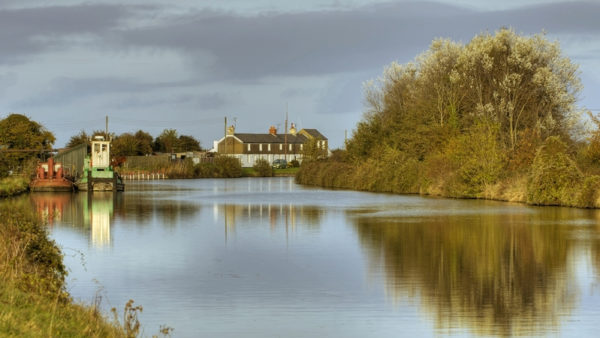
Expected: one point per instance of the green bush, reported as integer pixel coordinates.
(27, 253)
(588, 192)
(263, 168)
(205, 170)
(554, 177)
(228, 167)
(477, 159)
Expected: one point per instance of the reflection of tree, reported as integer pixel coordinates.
(142, 209)
(496, 274)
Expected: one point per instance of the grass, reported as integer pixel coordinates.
(251, 172)
(286, 171)
(25, 314)
(13, 185)
(33, 300)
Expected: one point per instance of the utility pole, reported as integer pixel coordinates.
(285, 131)
(225, 137)
(107, 138)
(345, 138)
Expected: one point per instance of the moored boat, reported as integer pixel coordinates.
(50, 176)
(98, 174)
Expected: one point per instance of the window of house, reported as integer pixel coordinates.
(281, 147)
(269, 147)
(290, 147)
(248, 146)
(301, 147)
(260, 147)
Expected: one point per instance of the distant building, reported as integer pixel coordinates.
(269, 146)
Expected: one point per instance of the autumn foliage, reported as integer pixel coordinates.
(476, 121)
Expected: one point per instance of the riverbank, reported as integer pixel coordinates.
(555, 182)
(13, 185)
(33, 298)
(201, 172)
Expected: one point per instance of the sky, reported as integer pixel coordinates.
(186, 65)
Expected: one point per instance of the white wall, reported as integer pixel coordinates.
(248, 160)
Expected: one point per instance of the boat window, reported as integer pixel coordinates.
(97, 148)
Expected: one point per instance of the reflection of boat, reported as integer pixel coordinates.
(51, 207)
(50, 176)
(100, 213)
(98, 174)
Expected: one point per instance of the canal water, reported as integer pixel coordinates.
(268, 258)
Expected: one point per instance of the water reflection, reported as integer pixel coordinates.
(101, 213)
(51, 206)
(90, 213)
(304, 261)
(288, 216)
(500, 274)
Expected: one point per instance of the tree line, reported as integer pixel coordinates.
(493, 118)
(141, 142)
(24, 141)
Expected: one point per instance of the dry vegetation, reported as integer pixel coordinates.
(494, 118)
(33, 300)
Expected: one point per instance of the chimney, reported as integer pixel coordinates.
(272, 130)
(293, 129)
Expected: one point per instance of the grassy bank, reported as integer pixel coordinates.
(220, 167)
(33, 300)
(553, 178)
(13, 185)
(287, 172)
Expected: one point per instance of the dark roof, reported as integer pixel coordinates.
(270, 138)
(314, 133)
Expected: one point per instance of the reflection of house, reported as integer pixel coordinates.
(250, 147)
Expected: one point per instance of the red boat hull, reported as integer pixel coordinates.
(51, 185)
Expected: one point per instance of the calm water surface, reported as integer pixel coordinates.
(269, 258)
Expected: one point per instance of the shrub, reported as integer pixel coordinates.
(294, 164)
(263, 168)
(588, 192)
(478, 160)
(228, 167)
(205, 170)
(554, 176)
(28, 255)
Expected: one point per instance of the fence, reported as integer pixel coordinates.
(143, 176)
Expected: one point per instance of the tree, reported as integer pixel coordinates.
(144, 140)
(521, 82)
(125, 144)
(189, 143)
(81, 138)
(313, 150)
(167, 141)
(18, 132)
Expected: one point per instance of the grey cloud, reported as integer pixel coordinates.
(310, 43)
(294, 43)
(65, 90)
(24, 32)
(202, 102)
